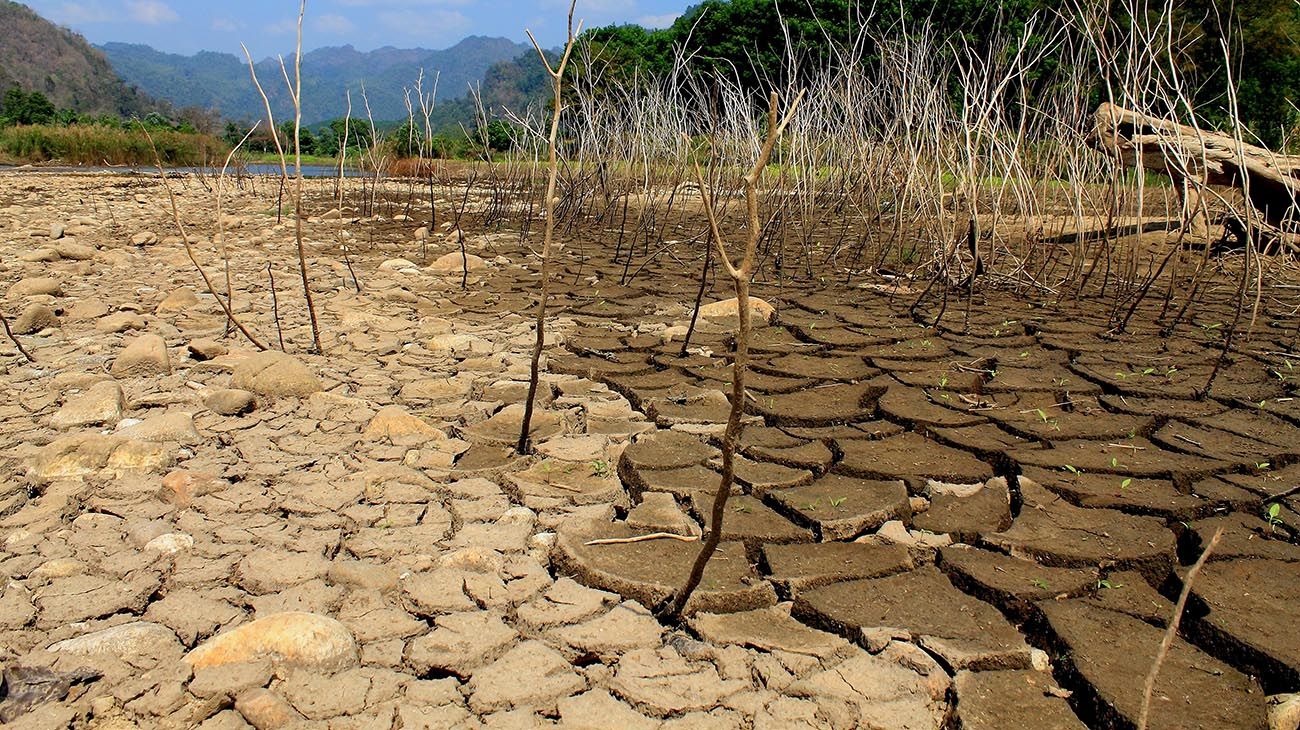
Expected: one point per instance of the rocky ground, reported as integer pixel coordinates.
(975, 526)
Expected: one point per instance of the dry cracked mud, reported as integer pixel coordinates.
(975, 525)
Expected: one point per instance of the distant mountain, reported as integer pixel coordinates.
(220, 81)
(40, 56)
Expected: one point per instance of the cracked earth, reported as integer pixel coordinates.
(979, 525)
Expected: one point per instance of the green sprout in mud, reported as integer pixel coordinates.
(1125, 484)
(1076, 471)
(1024, 355)
(1060, 382)
(925, 343)
(837, 501)
(1263, 466)
(943, 381)
(1040, 583)
(744, 508)
(1289, 375)
(1273, 516)
(811, 506)
(1056, 426)
(599, 468)
(1104, 583)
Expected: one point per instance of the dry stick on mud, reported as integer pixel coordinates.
(295, 94)
(557, 84)
(740, 277)
(10, 333)
(189, 250)
(1172, 631)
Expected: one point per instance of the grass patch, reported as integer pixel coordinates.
(96, 145)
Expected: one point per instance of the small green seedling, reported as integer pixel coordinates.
(1262, 466)
(1072, 469)
(1124, 484)
(1104, 583)
(741, 508)
(837, 501)
(1040, 583)
(1272, 515)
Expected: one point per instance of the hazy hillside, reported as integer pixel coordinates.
(220, 81)
(41, 56)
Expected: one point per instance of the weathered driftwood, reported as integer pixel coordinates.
(1194, 158)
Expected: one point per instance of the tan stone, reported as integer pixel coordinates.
(397, 425)
(146, 355)
(293, 638)
(760, 310)
(275, 373)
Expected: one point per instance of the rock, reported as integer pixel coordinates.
(760, 311)
(73, 251)
(231, 402)
(101, 404)
(395, 424)
(36, 286)
(844, 507)
(176, 427)
(138, 639)
(144, 238)
(169, 543)
(1284, 712)
(145, 356)
(398, 265)
(452, 263)
(120, 322)
(178, 301)
(266, 710)
(276, 374)
(182, 486)
(204, 349)
(77, 456)
(56, 230)
(35, 318)
(293, 638)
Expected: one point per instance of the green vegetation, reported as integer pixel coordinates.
(33, 130)
(99, 145)
(744, 39)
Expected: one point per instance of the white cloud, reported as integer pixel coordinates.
(79, 13)
(151, 12)
(657, 21)
(334, 24)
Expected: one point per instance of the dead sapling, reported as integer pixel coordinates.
(557, 85)
(740, 279)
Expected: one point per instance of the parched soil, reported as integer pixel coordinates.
(979, 522)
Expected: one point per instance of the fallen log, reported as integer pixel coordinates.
(1195, 158)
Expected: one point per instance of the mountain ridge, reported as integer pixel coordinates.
(220, 81)
(40, 56)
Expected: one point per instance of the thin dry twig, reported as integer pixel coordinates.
(1172, 631)
(642, 538)
(5, 321)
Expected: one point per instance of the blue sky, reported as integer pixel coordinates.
(267, 26)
